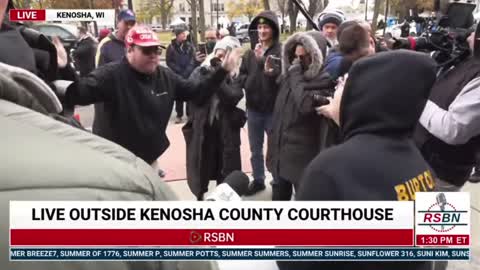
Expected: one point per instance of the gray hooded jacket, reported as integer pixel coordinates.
(296, 134)
(44, 159)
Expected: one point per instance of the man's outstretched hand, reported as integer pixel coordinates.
(62, 57)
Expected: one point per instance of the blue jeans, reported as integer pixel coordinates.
(258, 124)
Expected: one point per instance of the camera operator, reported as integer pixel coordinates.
(295, 137)
(212, 133)
(449, 131)
(28, 49)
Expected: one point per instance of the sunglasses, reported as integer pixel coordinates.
(130, 23)
(150, 50)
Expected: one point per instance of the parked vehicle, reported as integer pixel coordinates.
(242, 32)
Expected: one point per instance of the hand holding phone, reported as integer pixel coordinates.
(202, 48)
(272, 63)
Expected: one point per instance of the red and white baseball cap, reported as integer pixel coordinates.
(141, 36)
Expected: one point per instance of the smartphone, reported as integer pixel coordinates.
(202, 48)
(273, 61)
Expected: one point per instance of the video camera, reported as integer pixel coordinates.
(446, 37)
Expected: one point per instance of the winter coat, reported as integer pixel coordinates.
(212, 133)
(45, 160)
(378, 161)
(137, 106)
(260, 88)
(295, 138)
(110, 50)
(181, 58)
(84, 55)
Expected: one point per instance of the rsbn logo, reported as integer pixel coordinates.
(442, 216)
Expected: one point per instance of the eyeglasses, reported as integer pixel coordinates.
(150, 50)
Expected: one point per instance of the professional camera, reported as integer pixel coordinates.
(445, 38)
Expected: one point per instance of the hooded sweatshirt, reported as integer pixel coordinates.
(378, 160)
(261, 89)
(295, 137)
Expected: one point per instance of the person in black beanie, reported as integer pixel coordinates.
(377, 112)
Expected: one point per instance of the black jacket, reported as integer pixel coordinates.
(84, 55)
(261, 89)
(212, 133)
(138, 106)
(110, 50)
(29, 49)
(378, 160)
(452, 163)
(181, 58)
(295, 138)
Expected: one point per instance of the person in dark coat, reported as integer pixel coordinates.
(180, 59)
(84, 53)
(295, 137)
(377, 111)
(140, 94)
(261, 89)
(405, 29)
(212, 133)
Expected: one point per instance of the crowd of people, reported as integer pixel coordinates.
(344, 118)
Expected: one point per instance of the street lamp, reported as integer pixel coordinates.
(366, 10)
(387, 4)
(218, 24)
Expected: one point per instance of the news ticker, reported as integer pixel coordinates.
(164, 254)
(440, 220)
(106, 16)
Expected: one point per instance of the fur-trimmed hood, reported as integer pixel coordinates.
(314, 43)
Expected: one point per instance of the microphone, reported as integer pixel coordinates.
(234, 186)
(442, 201)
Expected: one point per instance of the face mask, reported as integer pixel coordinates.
(210, 45)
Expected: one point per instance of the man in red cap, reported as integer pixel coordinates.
(138, 94)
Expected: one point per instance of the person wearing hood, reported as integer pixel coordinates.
(377, 111)
(84, 53)
(212, 133)
(295, 137)
(95, 169)
(261, 88)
